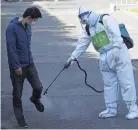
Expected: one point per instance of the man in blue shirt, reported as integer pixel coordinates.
(18, 40)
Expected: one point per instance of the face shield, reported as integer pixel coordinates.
(83, 17)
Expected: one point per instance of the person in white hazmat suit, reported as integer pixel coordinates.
(115, 63)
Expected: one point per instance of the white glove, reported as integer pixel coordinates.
(69, 62)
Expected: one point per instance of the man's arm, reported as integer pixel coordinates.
(11, 47)
(112, 26)
(82, 45)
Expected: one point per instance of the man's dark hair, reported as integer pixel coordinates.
(33, 12)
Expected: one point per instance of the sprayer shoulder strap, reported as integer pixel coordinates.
(101, 18)
(87, 29)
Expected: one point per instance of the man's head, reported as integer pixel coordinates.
(88, 17)
(83, 15)
(31, 15)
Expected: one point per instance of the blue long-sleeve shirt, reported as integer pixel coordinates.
(18, 40)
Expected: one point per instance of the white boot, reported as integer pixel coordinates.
(111, 111)
(133, 110)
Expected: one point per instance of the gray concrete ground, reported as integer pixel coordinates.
(69, 103)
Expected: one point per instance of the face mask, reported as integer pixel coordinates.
(33, 22)
(84, 20)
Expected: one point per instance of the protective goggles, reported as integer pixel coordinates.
(83, 14)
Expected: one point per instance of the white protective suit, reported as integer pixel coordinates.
(115, 63)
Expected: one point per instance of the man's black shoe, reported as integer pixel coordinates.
(39, 106)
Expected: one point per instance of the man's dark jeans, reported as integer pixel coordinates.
(31, 74)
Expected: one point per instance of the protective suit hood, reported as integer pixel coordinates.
(93, 18)
(87, 17)
(83, 15)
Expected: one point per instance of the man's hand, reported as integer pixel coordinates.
(18, 71)
(68, 63)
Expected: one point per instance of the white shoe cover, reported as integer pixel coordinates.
(132, 115)
(111, 110)
(108, 113)
(133, 112)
